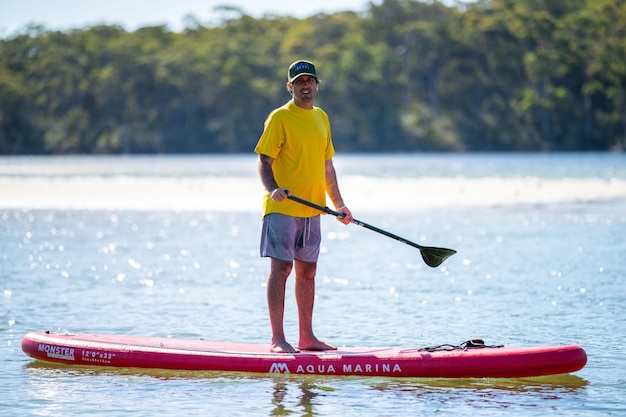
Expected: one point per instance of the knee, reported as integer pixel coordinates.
(307, 276)
(306, 271)
(281, 269)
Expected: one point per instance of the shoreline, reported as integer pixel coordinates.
(362, 194)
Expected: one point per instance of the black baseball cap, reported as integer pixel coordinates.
(299, 68)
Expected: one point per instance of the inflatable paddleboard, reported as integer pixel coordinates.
(471, 359)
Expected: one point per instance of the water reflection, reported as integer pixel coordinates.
(564, 382)
(298, 395)
(306, 393)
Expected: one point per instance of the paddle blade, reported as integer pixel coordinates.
(435, 256)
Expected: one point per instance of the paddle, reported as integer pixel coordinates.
(433, 257)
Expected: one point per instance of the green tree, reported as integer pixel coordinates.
(406, 75)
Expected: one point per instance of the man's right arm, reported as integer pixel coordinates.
(268, 180)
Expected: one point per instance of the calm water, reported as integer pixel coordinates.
(524, 275)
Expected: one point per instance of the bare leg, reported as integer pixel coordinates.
(305, 297)
(276, 282)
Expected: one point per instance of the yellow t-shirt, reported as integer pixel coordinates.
(300, 142)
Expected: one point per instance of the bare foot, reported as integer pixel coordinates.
(317, 345)
(282, 347)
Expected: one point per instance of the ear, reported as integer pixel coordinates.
(289, 87)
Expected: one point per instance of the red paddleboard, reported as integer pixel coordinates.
(464, 361)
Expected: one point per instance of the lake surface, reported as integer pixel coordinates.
(168, 246)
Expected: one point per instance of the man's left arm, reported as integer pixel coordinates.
(332, 188)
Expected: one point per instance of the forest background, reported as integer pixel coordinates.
(402, 76)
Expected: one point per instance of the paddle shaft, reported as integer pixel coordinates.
(432, 256)
(355, 221)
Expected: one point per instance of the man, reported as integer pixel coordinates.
(295, 156)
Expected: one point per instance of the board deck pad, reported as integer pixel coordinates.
(204, 355)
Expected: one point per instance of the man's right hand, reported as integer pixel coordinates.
(279, 194)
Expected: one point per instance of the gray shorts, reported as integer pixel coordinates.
(288, 238)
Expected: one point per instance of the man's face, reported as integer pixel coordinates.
(304, 89)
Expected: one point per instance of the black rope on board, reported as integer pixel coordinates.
(468, 344)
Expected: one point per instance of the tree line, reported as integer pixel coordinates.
(401, 76)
